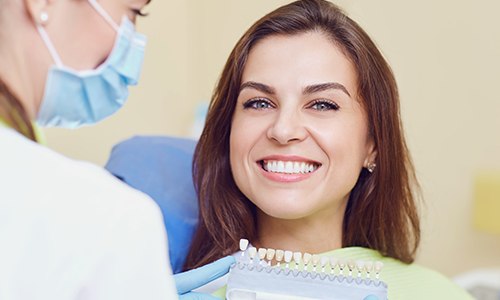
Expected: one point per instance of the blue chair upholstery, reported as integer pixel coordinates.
(161, 168)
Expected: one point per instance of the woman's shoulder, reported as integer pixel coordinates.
(407, 281)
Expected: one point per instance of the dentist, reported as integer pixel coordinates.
(68, 230)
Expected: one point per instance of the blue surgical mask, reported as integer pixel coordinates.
(76, 98)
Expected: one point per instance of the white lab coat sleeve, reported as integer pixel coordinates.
(136, 265)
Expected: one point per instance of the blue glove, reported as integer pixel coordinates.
(371, 297)
(193, 279)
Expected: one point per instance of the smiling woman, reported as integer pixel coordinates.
(303, 149)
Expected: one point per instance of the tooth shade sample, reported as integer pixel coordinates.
(252, 251)
(378, 266)
(288, 256)
(324, 261)
(333, 263)
(368, 266)
(243, 244)
(315, 259)
(297, 257)
(279, 255)
(360, 265)
(307, 258)
(270, 254)
(262, 253)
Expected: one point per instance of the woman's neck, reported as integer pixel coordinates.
(314, 234)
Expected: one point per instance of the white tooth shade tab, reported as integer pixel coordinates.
(368, 267)
(262, 253)
(252, 251)
(307, 258)
(288, 256)
(323, 262)
(288, 167)
(243, 244)
(279, 255)
(315, 259)
(297, 257)
(270, 254)
(360, 265)
(333, 262)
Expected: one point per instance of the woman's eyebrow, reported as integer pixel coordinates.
(258, 86)
(310, 89)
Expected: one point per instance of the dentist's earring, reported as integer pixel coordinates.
(44, 17)
(371, 167)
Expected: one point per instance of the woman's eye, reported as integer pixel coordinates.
(324, 105)
(258, 103)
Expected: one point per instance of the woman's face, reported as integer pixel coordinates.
(299, 135)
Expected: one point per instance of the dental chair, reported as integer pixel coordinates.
(161, 168)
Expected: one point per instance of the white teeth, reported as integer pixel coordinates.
(281, 167)
(288, 167)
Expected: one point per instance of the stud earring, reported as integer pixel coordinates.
(44, 17)
(371, 167)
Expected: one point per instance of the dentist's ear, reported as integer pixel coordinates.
(39, 10)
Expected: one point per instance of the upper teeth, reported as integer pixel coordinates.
(290, 167)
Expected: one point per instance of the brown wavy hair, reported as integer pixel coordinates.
(381, 212)
(12, 112)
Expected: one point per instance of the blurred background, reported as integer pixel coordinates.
(446, 57)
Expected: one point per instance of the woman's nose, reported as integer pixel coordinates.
(286, 128)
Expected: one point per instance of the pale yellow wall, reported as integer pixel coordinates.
(446, 56)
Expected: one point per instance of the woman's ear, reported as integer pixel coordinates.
(38, 10)
(371, 155)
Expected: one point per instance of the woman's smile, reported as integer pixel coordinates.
(287, 168)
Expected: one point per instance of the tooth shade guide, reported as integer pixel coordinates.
(245, 277)
(310, 263)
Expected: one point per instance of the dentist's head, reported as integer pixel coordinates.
(67, 62)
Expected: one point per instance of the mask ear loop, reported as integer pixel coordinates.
(50, 46)
(104, 14)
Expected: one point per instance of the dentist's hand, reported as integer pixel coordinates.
(193, 279)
